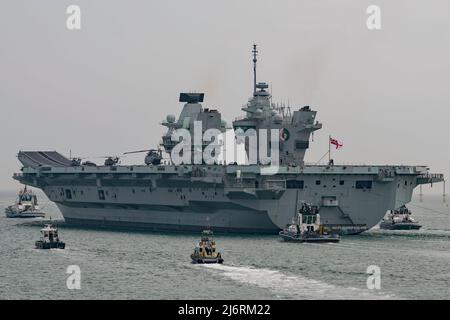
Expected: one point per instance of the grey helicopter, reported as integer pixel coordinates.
(77, 161)
(153, 157)
(111, 161)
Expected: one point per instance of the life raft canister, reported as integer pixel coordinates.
(284, 134)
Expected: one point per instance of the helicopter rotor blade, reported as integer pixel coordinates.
(130, 152)
(103, 157)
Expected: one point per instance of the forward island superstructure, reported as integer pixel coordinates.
(225, 197)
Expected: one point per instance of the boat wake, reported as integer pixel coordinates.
(295, 287)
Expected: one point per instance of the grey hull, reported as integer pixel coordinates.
(129, 225)
(313, 238)
(50, 245)
(147, 220)
(26, 214)
(206, 260)
(400, 226)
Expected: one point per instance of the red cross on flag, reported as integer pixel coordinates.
(335, 143)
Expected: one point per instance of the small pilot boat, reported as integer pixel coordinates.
(26, 206)
(399, 219)
(306, 227)
(49, 239)
(206, 251)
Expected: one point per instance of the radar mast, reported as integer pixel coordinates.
(255, 53)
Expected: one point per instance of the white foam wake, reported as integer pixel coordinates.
(296, 287)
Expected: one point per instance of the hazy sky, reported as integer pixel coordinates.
(104, 89)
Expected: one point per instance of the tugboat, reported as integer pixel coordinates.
(206, 251)
(306, 227)
(399, 219)
(49, 239)
(26, 206)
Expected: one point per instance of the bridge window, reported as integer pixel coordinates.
(318, 182)
(294, 184)
(101, 194)
(68, 194)
(363, 184)
(301, 144)
(341, 182)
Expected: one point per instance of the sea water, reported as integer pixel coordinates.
(149, 265)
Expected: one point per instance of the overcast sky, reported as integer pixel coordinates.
(104, 89)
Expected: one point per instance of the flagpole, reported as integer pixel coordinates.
(329, 149)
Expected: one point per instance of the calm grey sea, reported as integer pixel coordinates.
(132, 265)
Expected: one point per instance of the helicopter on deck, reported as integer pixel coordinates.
(111, 161)
(75, 162)
(153, 157)
(78, 161)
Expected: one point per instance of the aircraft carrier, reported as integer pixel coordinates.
(226, 197)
